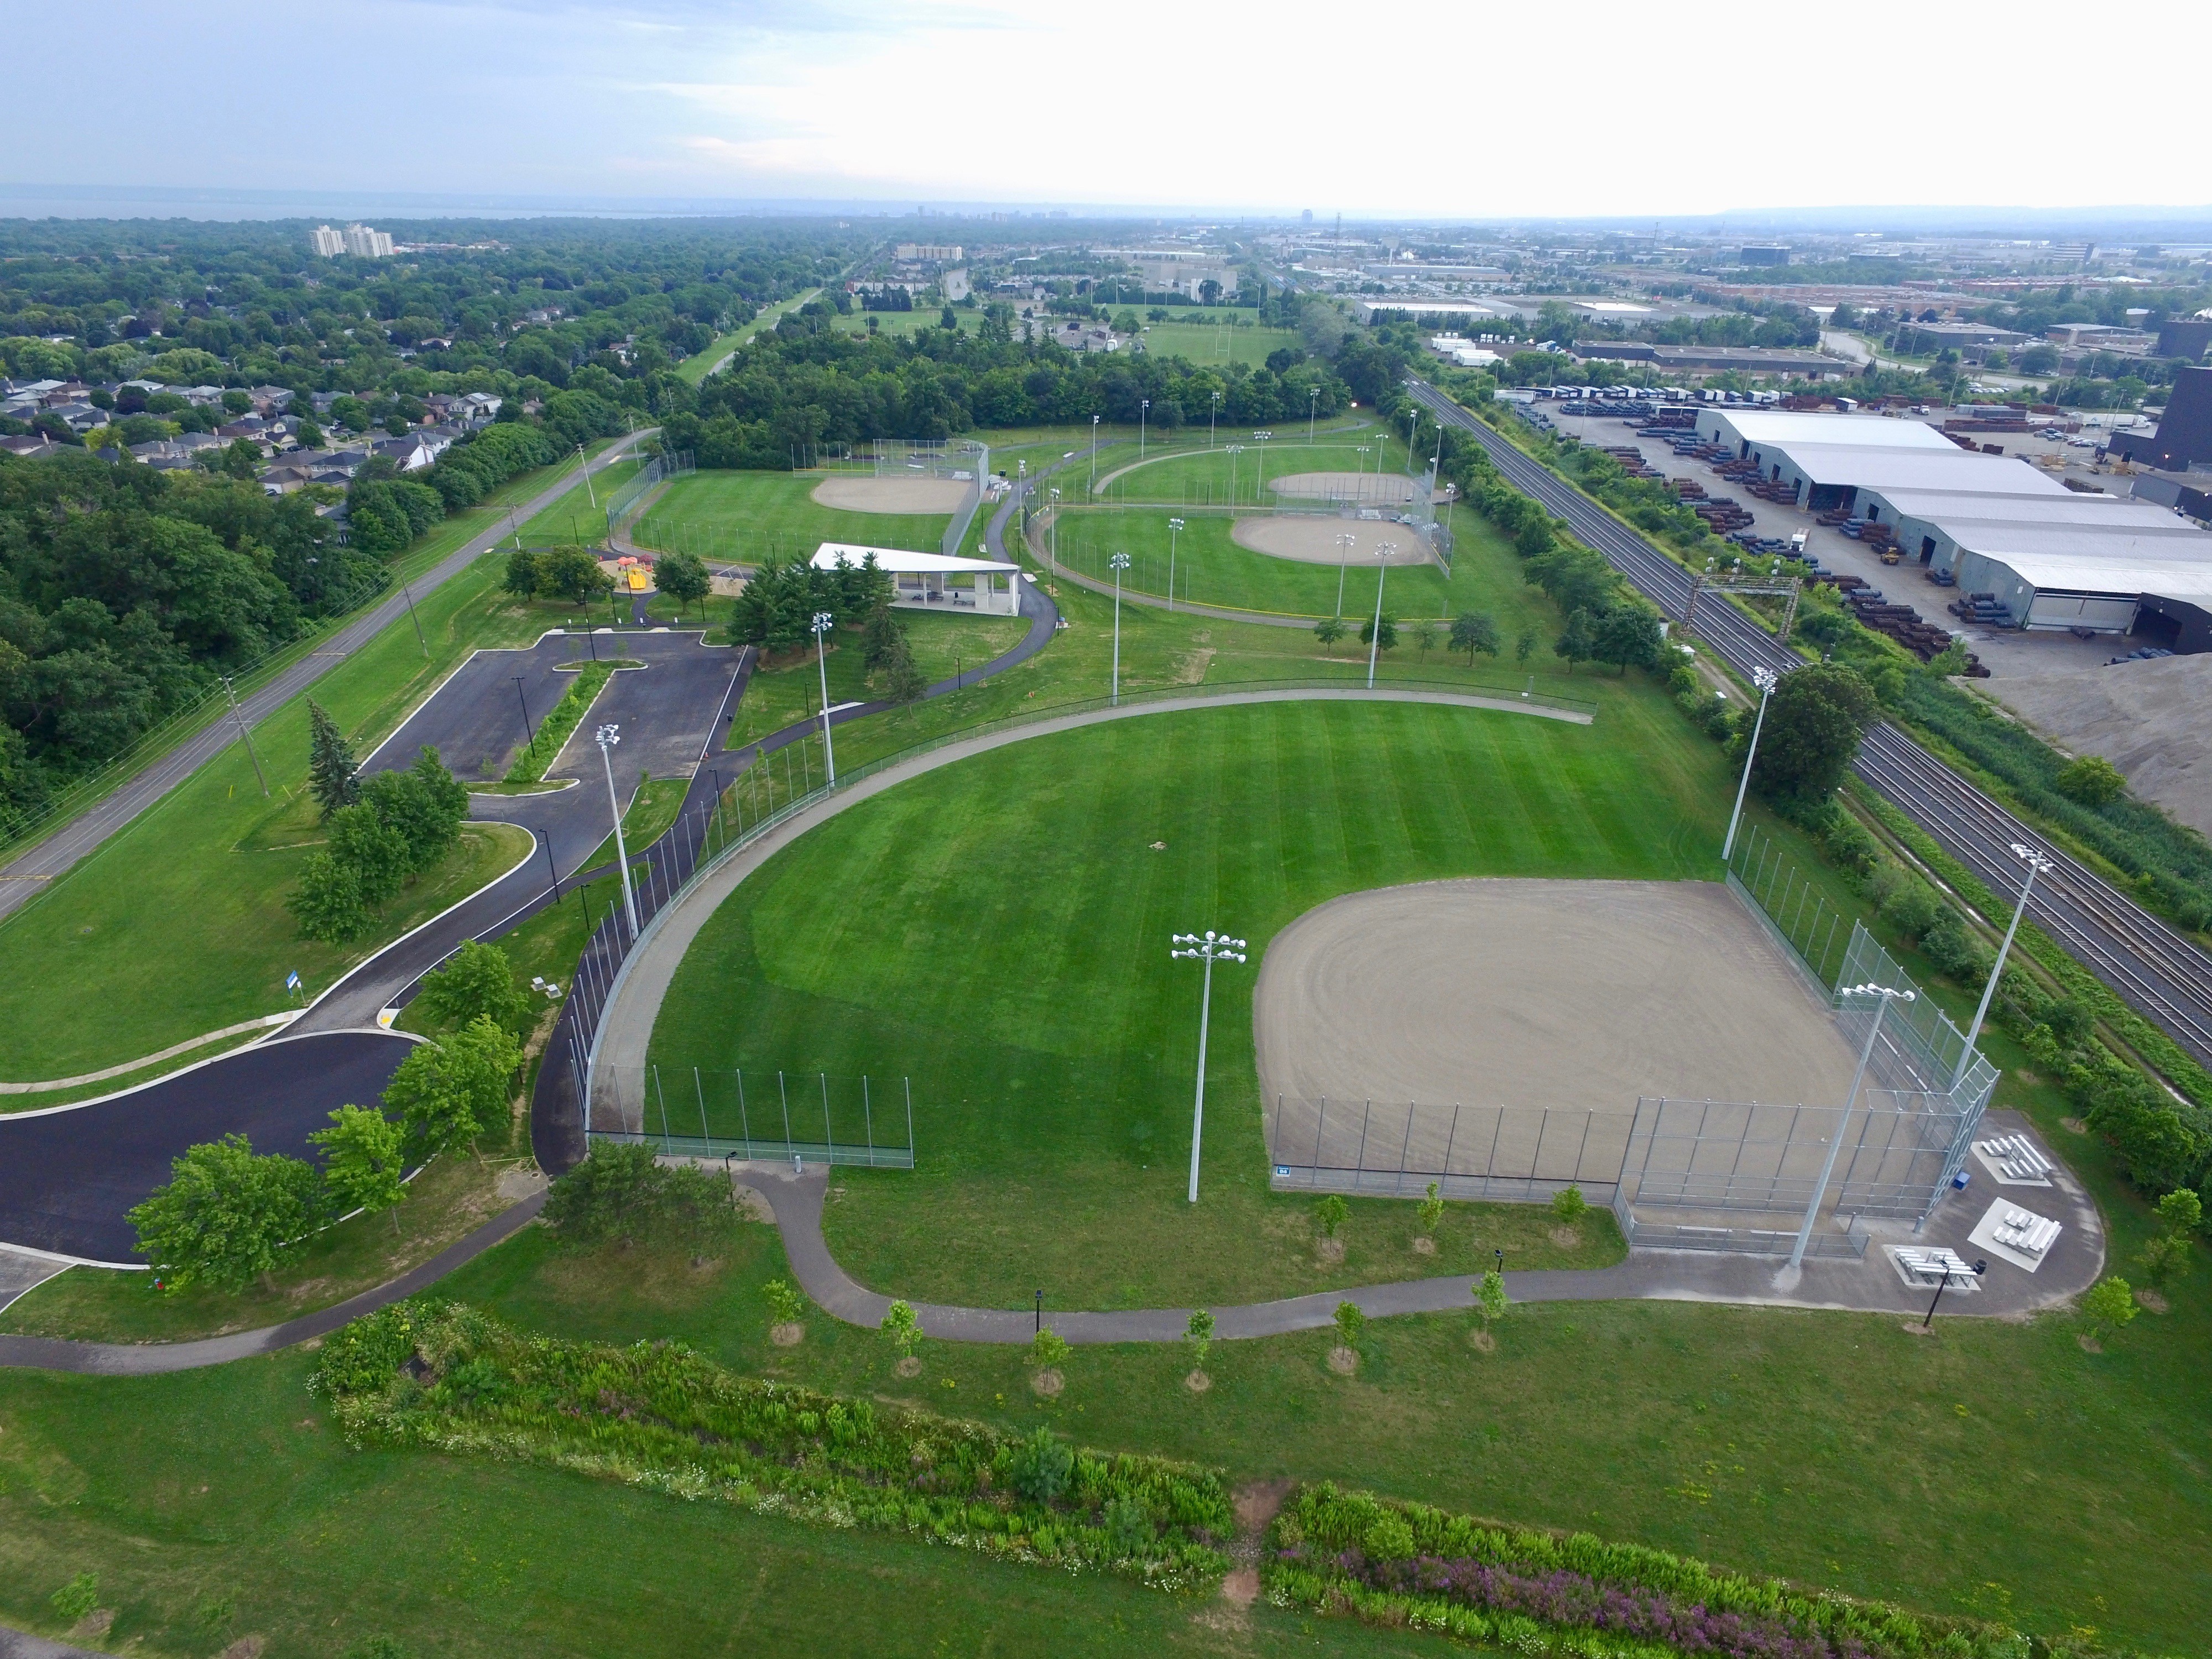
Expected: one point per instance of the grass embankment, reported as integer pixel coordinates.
(944, 647)
(206, 869)
(753, 516)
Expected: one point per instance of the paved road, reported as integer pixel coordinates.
(29, 873)
(68, 1174)
(2164, 976)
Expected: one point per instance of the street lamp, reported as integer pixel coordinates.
(1175, 529)
(824, 622)
(607, 736)
(1382, 552)
(1828, 1165)
(1344, 543)
(1094, 454)
(1207, 949)
(1943, 1284)
(1144, 409)
(1056, 532)
(1765, 680)
(529, 736)
(1120, 562)
(2038, 865)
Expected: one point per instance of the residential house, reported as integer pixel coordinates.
(30, 447)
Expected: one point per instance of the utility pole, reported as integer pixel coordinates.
(238, 714)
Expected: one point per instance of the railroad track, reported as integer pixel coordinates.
(2153, 967)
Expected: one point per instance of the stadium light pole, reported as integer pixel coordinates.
(824, 622)
(1144, 410)
(1121, 562)
(607, 736)
(1175, 530)
(1208, 948)
(1313, 407)
(1260, 483)
(2038, 864)
(1765, 680)
(1211, 416)
(1094, 454)
(1344, 546)
(1836, 1143)
(1382, 552)
(1232, 450)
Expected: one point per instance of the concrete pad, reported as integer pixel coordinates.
(1985, 1236)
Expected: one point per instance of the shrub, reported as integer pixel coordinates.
(901, 1326)
(1048, 1349)
(1042, 1467)
(1350, 1322)
(785, 1304)
(2092, 781)
(1569, 1205)
(1331, 1214)
(77, 1598)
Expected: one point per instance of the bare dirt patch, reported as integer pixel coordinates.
(786, 1334)
(1311, 539)
(2152, 1301)
(1366, 489)
(1343, 1361)
(1330, 1250)
(909, 1366)
(1424, 1245)
(1198, 1382)
(1567, 1238)
(95, 1624)
(1483, 991)
(1049, 1382)
(1482, 1341)
(2074, 1126)
(752, 1207)
(909, 495)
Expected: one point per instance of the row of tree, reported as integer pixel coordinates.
(380, 833)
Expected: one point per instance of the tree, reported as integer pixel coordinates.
(476, 983)
(1425, 637)
(2092, 781)
(424, 805)
(522, 574)
(1048, 1349)
(1331, 1212)
(1628, 635)
(1569, 1205)
(361, 1162)
(1199, 1334)
(1843, 316)
(612, 1193)
(448, 1093)
(1329, 630)
(1472, 631)
(1813, 721)
(1388, 630)
(903, 682)
(1577, 642)
(1350, 1322)
(1524, 646)
(242, 459)
(376, 853)
(785, 1304)
(226, 1215)
(1431, 1209)
(331, 764)
(683, 578)
(310, 435)
(949, 320)
(903, 1327)
(327, 902)
(2109, 1305)
(571, 573)
(880, 637)
(2167, 1257)
(1490, 1301)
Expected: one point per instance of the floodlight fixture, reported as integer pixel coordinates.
(607, 736)
(824, 622)
(1765, 680)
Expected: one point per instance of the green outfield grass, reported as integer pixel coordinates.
(1209, 344)
(945, 646)
(176, 926)
(1051, 1048)
(1211, 568)
(752, 516)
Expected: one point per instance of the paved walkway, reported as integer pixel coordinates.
(31, 872)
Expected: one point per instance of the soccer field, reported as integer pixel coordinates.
(752, 516)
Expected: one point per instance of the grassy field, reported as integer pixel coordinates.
(207, 868)
(944, 647)
(696, 368)
(1209, 343)
(1050, 1053)
(1209, 568)
(757, 516)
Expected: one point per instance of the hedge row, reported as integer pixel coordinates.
(444, 1376)
(1540, 1593)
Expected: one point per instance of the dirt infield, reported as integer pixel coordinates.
(1311, 539)
(864, 494)
(1581, 994)
(1369, 489)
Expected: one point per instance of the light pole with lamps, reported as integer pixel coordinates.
(2038, 865)
(1094, 454)
(1765, 680)
(1211, 416)
(1836, 1143)
(1143, 410)
(1382, 552)
(1232, 450)
(1120, 562)
(529, 736)
(1260, 483)
(824, 622)
(1056, 532)
(1313, 404)
(607, 736)
(1344, 546)
(1175, 530)
(1207, 948)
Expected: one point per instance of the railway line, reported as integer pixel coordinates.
(2153, 967)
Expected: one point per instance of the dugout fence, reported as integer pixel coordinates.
(758, 1112)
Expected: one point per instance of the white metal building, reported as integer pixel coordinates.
(1933, 525)
(2053, 579)
(927, 580)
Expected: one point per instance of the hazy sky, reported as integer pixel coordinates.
(1408, 107)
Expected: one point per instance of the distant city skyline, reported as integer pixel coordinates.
(1430, 110)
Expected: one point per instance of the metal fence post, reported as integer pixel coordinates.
(662, 1095)
(745, 1119)
(784, 1095)
(828, 1135)
(1320, 1124)
(1451, 1141)
(700, 1089)
(868, 1117)
(908, 1083)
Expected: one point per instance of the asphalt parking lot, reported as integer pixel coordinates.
(68, 1177)
(474, 720)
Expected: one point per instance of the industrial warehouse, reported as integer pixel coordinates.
(2036, 555)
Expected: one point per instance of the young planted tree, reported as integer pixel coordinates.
(2166, 1257)
(476, 982)
(881, 635)
(1524, 646)
(1331, 1212)
(1490, 1304)
(785, 1304)
(1048, 1349)
(1430, 1209)
(1199, 1334)
(2109, 1304)
(1329, 630)
(327, 902)
(1350, 1322)
(1472, 631)
(331, 764)
(905, 1333)
(1388, 631)
(1570, 1205)
(1577, 641)
(683, 577)
(1425, 637)
(448, 1094)
(226, 1215)
(362, 1164)
(904, 684)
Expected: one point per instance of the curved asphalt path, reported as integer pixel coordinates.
(31, 872)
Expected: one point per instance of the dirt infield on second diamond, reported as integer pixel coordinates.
(891, 495)
(1532, 993)
(1318, 538)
